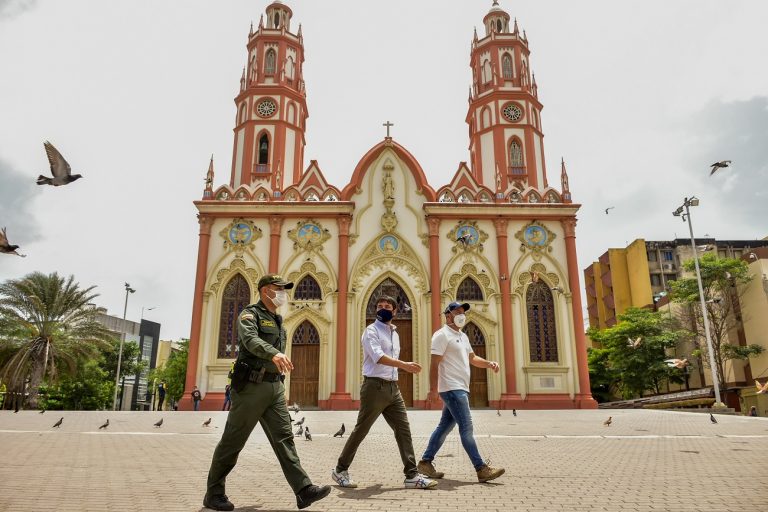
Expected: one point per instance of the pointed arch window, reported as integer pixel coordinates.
(289, 69)
(307, 289)
(306, 334)
(475, 335)
(269, 62)
(264, 149)
(515, 154)
(506, 66)
(469, 291)
(542, 332)
(498, 25)
(277, 20)
(487, 73)
(237, 295)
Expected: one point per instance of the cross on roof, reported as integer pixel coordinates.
(388, 125)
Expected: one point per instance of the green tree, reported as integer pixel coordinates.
(90, 390)
(602, 377)
(47, 326)
(174, 372)
(720, 279)
(130, 364)
(633, 353)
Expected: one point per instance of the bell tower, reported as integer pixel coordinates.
(271, 106)
(504, 116)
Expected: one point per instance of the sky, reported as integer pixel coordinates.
(639, 99)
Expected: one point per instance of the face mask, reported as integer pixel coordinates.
(384, 315)
(280, 298)
(460, 320)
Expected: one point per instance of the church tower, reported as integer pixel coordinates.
(271, 106)
(506, 146)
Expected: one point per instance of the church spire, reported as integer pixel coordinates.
(566, 191)
(208, 192)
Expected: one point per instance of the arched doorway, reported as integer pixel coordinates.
(305, 355)
(404, 322)
(478, 381)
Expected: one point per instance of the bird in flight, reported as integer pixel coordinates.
(609, 208)
(677, 363)
(761, 388)
(608, 422)
(712, 418)
(62, 172)
(6, 247)
(58, 423)
(294, 408)
(159, 423)
(207, 422)
(465, 238)
(634, 343)
(341, 431)
(104, 426)
(719, 165)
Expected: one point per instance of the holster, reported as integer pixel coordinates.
(239, 375)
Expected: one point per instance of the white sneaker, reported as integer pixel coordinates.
(342, 478)
(420, 482)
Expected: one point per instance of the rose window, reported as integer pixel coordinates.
(266, 108)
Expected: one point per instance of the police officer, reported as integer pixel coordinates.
(258, 396)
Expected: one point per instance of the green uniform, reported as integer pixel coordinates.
(260, 336)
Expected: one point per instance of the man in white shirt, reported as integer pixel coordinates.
(379, 395)
(449, 372)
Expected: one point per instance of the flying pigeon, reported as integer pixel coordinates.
(761, 388)
(294, 408)
(58, 423)
(712, 418)
(300, 422)
(6, 247)
(719, 165)
(307, 435)
(341, 431)
(608, 422)
(104, 426)
(677, 363)
(465, 238)
(299, 432)
(207, 422)
(159, 423)
(634, 343)
(609, 208)
(62, 172)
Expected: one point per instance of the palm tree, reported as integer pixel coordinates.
(47, 325)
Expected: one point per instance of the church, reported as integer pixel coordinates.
(499, 236)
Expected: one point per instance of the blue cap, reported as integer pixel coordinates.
(454, 305)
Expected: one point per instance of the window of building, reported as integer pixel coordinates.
(307, 289)
(277, 20)
(515, 154)
(469, 291)
(237, 295)
(655, 280)
(669, 277)
(651, 255)
(487, 73)
(737, 253)
(264, 149)
(306, 334)
(542, 333)
(269, 62)
(721, 253)
(667, 255)
(506, 66)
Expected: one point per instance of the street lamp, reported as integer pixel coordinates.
(687, 203)
(128, 290)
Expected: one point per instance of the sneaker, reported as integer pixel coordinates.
(427, 468)
(311, 494)
(218, 502)
(419, 482)
(343, 479)
(487, 473)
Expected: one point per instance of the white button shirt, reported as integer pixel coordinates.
(380, 339)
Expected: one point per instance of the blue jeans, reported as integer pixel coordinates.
(197, 405)
(455, 411)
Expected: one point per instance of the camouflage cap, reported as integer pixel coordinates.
(275, 279)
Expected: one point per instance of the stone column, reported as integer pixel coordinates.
(275, 225)
(433, 399)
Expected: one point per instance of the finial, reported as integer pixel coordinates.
(251, 31)
(470, 94)
(516, 30)
(261, 22)
(475, 34)
(564, 179)
(525, 36)
(299, 32)
(495, 3)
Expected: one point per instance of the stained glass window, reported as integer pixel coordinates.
(237, 295)
(391, 288)
(469, 291)
(515, 154)
(307, 289)
(475, 335)
(506, 66)
(542, 334)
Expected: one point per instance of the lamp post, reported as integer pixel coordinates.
(128, 290)
(687, 203)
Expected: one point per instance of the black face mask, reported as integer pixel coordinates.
(384, 315)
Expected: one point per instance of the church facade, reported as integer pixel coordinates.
(498, 236)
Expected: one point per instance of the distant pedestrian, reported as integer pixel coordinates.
(196, 397)
(227, 398)
(160, 396)
(753, 411)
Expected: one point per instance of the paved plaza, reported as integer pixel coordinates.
(555, 461)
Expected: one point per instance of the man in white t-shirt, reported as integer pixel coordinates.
(449, 372)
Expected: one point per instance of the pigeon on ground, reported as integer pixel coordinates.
(761, 388)
(608, 422)
(341, 431)
(159, 423)
(6, 247)
(62, 172)
(712, 418)
(104, 426)
(58, 423)
(299, 432)
(42, 411)
(719, 165)
(498, 412)
(300, 422)
(609, 208)
(514, 412)
(634, 343)
(207, 422)
(677, 363)
(307, 435)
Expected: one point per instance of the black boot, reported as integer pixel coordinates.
(218, 502)
(311, 494)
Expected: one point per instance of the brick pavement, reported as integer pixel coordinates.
(556, 461)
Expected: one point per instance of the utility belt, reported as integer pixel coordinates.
(242, 373)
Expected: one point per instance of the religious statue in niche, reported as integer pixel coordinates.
(389, 187)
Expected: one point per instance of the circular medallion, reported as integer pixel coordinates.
(535, 236)
(512, 112)
(388, 244)
(310, 232)
(468, 235)
(266, 108)
(240, 234)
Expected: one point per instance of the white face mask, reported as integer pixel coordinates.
(460, 320)
(280, 298)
